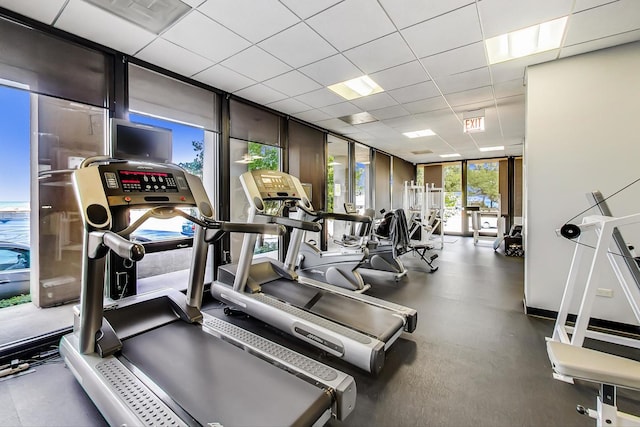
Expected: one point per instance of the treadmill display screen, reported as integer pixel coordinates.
(146, 181)
(275, 185)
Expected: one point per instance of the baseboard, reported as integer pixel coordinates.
(623, 328)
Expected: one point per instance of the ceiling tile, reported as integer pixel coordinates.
(470, 96)
(515, 69)
(193, 3)
(342, 109)
(174, 58)
(253, 20)
(351, 23)
(415, 92)
(224, 78)
(431, 104)
(464, 81)
(502, 16)
(246, 62)
(313, 116)
(588, 4)
(332, 70)
(289, 106)
(292, 83)
(305, 9)
(400, 76)
(456, 61)
(509, 88)
(320, 98)
(298, 46)
(409, 12)
(602, 43)
(369, 59)
(378, 129)
(450, 31)
(97, 25)
(261, 94)
(195, 33)
(608, 20)
(389, 112)
(334, 124)
(43, 11)
(374, 102)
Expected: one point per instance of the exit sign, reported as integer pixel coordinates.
(473, 124)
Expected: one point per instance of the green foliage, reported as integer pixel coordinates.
(17, 300)
(420, 175)
(482, 181)
(195, 166)
(330, 184)
(264, 157)
(453, 178)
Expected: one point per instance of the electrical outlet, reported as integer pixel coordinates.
(603, 292)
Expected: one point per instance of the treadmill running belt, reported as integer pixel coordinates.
(216, 382)
(366, 318)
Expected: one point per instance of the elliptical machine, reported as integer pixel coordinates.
(338, 268)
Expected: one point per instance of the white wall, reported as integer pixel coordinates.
(583, 115)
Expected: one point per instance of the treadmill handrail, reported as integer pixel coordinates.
(296, 223)
(343, 217)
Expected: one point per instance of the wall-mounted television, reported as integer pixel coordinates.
(137, 141)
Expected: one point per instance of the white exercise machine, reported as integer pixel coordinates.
(569, 359)
(611, 251)
(424, 206)
(606, 369)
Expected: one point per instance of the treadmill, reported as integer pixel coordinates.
(352, 326)
(154, 358)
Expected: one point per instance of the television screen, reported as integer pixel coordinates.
(136, 141)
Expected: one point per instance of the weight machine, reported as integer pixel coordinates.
(567, 355)
(424, 205)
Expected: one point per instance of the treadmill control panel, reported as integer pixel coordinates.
(144, 184)
(275, 185)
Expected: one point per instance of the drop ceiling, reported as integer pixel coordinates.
(428, 56)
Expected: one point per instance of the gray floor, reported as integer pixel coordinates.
(475, 359)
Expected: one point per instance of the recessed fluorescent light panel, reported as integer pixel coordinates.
(419, 133)
(528, 41)
(152, 15)
(356, 88)
(444, 156)
(496, 148)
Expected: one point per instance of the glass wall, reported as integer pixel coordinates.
(187, 152)
(15, 207)
(246, 156)
(452, 178)
(362, 187)
(483, 193)
(337, 184)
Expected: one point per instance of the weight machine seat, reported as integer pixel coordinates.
(593, 365)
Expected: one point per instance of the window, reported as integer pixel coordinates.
(337, 185)
(452, 178)
(246, 156)
(361, 180)
(483, 193)
(14, 198)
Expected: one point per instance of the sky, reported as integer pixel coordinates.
(14, 145)
(14, 142)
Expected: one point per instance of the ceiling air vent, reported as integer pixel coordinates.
(358, 119)
(417, 153)
(153, 15)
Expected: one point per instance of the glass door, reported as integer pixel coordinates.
(483, 194)
(453, 206)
